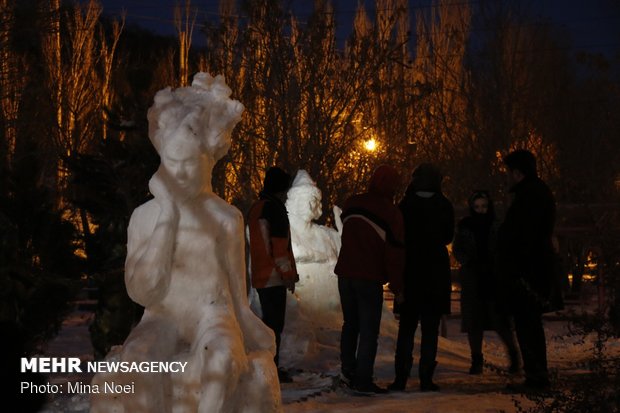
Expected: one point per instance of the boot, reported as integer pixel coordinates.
(284, 376)
(476, 364)
(403, 370)
(510, 341)
(399, 383)
(426, 371)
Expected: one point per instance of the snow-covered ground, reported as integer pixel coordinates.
(313, 388)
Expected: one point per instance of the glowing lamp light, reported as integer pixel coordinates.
(371, 145)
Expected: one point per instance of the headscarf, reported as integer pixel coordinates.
(480, 224)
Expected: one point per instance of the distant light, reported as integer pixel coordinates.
(371, 145)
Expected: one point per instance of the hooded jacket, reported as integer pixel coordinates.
(372, 234)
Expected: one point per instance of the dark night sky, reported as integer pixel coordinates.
(593, 25)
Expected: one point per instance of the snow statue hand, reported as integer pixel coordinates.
(337, 220)
(159, 188)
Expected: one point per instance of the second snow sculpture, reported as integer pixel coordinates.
(313, 319)
(186, 266)
(315, 248)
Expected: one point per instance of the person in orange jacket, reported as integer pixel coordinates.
(272, 264)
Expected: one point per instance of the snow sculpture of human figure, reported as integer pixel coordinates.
(313, 319)
(316, 250)
(186, 265)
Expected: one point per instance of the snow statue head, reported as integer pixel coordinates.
(202, 113)
(186, 266)
(304, 198)
(190, 128)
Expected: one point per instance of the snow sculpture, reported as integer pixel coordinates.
(186, 266)
(315, 248)
(313, 318)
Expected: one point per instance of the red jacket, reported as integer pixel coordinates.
(373, 235)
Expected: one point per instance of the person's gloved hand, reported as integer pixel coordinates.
(290, 285)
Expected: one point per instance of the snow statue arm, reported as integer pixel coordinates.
(257, 335)
(149, 254)
(337, 220)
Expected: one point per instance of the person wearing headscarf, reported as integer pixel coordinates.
(474, 248)
(371, 255)
(429, 228)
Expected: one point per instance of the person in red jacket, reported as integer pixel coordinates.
(272, 264)
(371, 255)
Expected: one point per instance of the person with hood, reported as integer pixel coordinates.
(371, 255)
(527, 263)
(474, 247)
(272, 264)
(429, 227)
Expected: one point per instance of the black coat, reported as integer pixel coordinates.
(526, 255)
(477, 276)
(429, 228)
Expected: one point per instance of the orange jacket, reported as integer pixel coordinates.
(271, 254)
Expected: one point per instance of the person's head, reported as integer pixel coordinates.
(520, 164)
(304, 197)
(384, 181)
(426, 177)
(480, 203)
(277, 182)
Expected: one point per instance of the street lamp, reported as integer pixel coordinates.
(370, 145)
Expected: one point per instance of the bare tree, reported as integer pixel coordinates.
(108, 50)
(79, 66)
(184, 22)
(73, 80)
(308, 104)
(514, 87)
(13, 77)
(439, 72)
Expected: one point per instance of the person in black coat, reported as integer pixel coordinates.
(429, 227)
(526, 262)
(474, 248)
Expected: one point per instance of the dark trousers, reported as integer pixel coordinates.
(475, 336)
(273, 307)
(362, 304)
(407, 325)
(532, 342)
